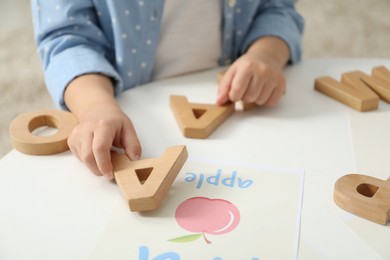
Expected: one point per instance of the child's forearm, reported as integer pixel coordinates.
(270, 49)
(89, 91)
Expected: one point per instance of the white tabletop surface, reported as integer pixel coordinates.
(51, 207)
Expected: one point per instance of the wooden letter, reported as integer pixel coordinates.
(382, 73)
(198, 120)
(359, 97)
(24, 141)
(364, 196)
(380, 82)
(144, 183)
(360, 80)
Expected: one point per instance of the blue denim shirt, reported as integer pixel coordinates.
(119, 38)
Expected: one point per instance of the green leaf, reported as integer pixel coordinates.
(187, 238)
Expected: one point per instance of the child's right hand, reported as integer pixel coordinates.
(102, 124)
(98, 130)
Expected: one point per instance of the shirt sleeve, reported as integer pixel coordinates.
(70, 44)
(280, 19)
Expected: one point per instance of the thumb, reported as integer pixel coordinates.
(130, 143)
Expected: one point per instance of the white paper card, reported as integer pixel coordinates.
(215, 211)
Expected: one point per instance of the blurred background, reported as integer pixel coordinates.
(334, 28)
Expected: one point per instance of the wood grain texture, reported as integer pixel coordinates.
(365, 196)
(359, 97)
(144, 183)
(25, 141)
(199, 120)
(380, 82)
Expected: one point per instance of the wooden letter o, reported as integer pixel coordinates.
(24, 141)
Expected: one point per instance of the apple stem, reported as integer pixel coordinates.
(205, 238)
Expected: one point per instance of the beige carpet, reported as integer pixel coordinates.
(334, 28)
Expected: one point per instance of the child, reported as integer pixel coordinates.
(92, 50)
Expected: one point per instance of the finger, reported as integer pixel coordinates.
(75, 152)
(265, 94)
(224, 86)
(277, 93)
(253, 91)
(73, 147)
(130, 142)
(239, 85)
(275, 96)
(86, 153)
(101, 146)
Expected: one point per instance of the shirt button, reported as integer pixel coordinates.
(231, 3)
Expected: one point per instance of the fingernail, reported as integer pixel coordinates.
(108, 175)
(134, 157)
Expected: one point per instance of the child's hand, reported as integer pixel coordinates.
(257, 76)
(252, 81)
(98, 130)
(102, 124)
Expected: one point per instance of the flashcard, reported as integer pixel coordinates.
(216, 211)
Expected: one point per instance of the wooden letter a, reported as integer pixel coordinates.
(144, 183)
(198, 120)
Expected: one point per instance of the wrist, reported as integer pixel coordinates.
(270, 50)
(90, 92)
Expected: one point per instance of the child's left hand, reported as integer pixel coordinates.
(252, 80)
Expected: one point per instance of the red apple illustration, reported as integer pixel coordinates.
(204, 215)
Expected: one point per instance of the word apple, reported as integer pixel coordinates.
(231, 180)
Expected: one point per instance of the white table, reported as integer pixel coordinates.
(51, 207)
